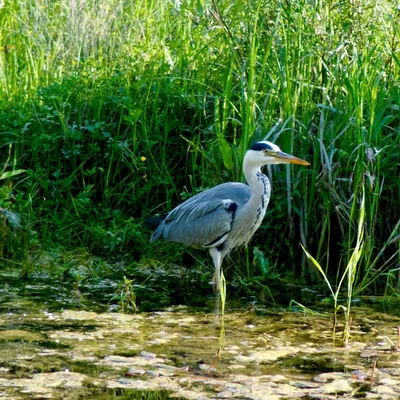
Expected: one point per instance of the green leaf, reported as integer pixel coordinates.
(9, 174)
(226, 152)
(316, 264)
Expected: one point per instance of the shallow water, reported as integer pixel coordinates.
(87, 352)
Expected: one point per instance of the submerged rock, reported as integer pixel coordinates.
(273, 355)
(46, 382)
(140, 361)
(337, 386)
(156, 383)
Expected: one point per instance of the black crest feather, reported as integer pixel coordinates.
(258, 146)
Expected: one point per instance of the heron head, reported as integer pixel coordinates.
(264, 152)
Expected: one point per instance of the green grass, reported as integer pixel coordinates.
(118, 110)
(350, 273)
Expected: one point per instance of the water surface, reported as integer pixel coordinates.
(55, 346)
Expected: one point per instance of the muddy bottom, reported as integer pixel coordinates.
(186, 354)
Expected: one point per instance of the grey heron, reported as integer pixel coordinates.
(225, 216)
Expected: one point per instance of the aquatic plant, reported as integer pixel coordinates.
(125, 294)
(350, 273)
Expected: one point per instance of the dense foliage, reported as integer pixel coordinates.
(120, 109)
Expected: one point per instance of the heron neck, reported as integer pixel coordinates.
(255, 179)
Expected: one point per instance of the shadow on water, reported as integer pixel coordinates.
(52, 295)
(129, 394)
(114, 394)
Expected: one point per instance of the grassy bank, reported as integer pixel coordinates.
(117, 110)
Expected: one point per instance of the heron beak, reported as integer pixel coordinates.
(289, 159)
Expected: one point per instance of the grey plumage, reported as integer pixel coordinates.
(225, 216)
(205, 217)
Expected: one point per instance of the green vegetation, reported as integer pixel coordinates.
(350, 272)
(116, 110)
(126, 296)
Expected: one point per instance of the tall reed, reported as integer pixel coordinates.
(122, 109)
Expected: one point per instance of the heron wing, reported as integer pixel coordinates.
(205, 219)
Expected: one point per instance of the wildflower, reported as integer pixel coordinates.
(143, 158)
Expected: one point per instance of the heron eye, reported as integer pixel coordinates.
(266, 151)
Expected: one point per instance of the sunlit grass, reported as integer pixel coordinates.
(350, 273)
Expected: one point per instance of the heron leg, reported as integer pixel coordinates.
(217, 259)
